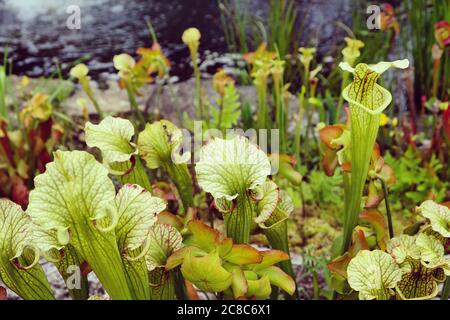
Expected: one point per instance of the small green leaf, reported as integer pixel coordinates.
(242, 254)
(203, 237)
(230, 109)
(176, 258)
(206, 272)
(270, 258)
(260, 288)
(225, 247)
(280, 279)
(239, 284)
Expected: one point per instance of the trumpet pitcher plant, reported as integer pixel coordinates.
(159, 145)
(113, 136)
(74, 202)
(406, 267)
(367, 101)
(235, 172)
(230, 170)
(19, 256)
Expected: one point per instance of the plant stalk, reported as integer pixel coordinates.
(134, 105)
(239, 222)
(446, 289)
(388, 209)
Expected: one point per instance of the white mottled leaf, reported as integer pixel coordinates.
(16, 235)
(228, 168)
(136, 210)
(15, 229)
(164, 240)
(269, 196)
(76, 194)
(374, 274)
(438, 215)
(431, 250)
(402, 247)
(74, 187)
(113, 137)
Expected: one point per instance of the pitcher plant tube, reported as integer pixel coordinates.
(229, 170)
(113, 136)
(367, 101)
(159, 145)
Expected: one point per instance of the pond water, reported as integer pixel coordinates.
(37, 37)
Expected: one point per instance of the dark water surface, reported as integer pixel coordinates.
(37, 37)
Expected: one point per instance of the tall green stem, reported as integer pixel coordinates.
(3, 111)
(87, 89)
(298, 126)
(136, 274)
(29, 284)
(71, 258)
(367, 101)
(219, 125)
(134, 105)
(446, 289)
(180, 285)
(162, 284)
(280, 114)
(363, 135)
(277, 234)
(388, 209)
(198, 88)
(262, 105)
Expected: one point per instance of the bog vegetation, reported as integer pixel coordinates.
(353, 204)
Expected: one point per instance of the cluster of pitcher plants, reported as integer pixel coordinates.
(154, 221)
